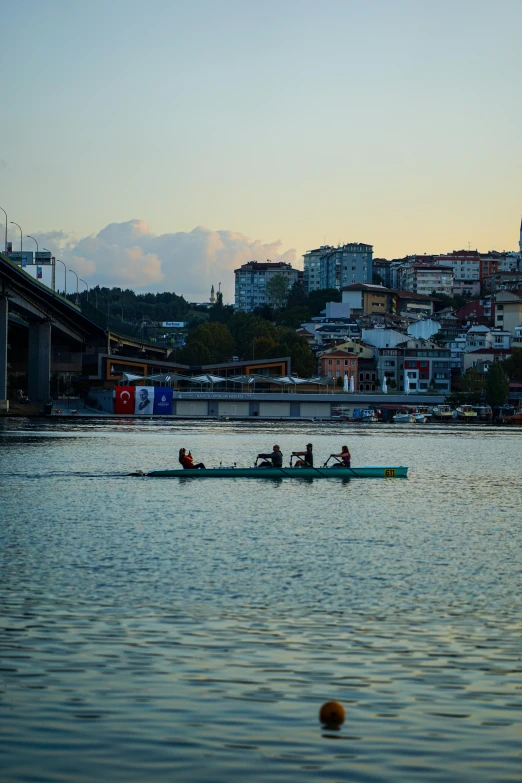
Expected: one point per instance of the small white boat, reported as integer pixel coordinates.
(466, 412)
(420, 418)
(404, 418)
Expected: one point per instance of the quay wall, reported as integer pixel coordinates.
(284, 405)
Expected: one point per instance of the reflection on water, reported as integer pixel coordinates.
(190, 630)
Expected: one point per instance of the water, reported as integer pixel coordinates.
(159, 630)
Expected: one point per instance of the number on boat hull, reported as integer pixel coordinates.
(389, 472)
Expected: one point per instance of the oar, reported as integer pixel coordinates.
(344, 466)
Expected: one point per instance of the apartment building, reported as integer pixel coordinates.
(312, 267)
(425, 278)
(251, 281)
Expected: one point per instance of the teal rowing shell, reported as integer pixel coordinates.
(367, 471)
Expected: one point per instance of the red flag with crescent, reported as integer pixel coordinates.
(124, 400)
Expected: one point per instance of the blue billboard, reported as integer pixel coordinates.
(163, 400)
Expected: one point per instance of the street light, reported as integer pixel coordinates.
(53, 264)
(77, 280)
(65, 276)
(5, 213)
(83, 281)
(34, 240)
(20, 227)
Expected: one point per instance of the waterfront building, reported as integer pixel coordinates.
(424, 361)
(338, 362)
(251, 281)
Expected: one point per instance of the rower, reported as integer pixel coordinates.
(344, 458)
(187, 460)
(276, 459)
(308, 457)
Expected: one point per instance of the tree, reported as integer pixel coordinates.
(497, 386)
(209, 343)
(472, 382)
(277, 290)
(297, 296)
(219, 312)
(292, 344)
(513, 365)
(317, 299)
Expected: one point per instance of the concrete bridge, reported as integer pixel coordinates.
(32, 318)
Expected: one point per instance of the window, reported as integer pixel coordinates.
(346, 362)
(338, 373)
(329, 362)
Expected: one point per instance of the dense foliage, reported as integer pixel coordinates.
(247, 336)
(135, 308)
(497, 386)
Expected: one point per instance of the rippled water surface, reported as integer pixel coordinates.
(185, 630)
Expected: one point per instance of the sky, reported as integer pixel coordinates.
(158, 146)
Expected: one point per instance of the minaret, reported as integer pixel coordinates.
(212, 296)
(520, 240)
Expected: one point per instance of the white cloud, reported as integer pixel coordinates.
(128, 255)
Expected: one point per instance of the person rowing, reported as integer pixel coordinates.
(344, 458)
(307, 460)
(276, 459)
(187, 461)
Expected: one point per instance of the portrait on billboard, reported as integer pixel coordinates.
(144, 400)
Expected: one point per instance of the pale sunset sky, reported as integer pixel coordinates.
(159, 145)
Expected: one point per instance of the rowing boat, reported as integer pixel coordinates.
(367, 471)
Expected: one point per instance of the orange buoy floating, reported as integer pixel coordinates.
(332, 713)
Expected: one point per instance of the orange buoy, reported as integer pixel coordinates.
(332, 713)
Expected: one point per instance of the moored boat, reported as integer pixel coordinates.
(443, 412)
(404, 418)
(483, 411)
(466, 412)
(366, 471)
(509, 415)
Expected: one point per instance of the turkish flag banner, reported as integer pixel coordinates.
(124, 399)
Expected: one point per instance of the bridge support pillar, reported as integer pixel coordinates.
(4, 308)
(39, 362)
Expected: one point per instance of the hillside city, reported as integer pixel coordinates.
(432, 324)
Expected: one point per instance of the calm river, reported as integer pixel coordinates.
(184, 630)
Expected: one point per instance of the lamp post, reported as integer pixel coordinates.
(21, 246)
(77, 281)
(64, 277)
(53, 264)
(5, 213)
(83, 281)
(34, 240)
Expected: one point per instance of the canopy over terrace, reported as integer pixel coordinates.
(206, 379)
